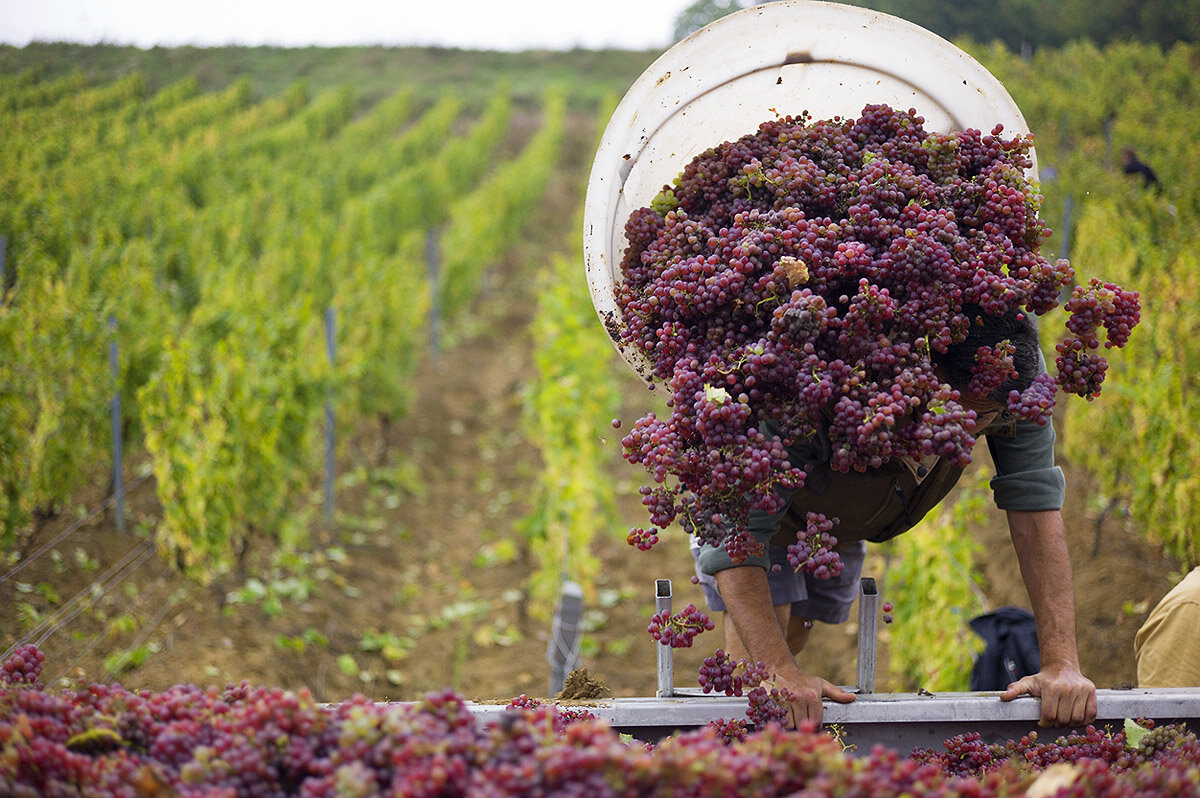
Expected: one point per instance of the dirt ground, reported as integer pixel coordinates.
(418, 585)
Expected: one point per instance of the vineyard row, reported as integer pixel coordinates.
(213, 233)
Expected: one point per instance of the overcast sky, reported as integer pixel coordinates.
(471, 24)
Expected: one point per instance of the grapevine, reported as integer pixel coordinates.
(343, 225)
(816, 275)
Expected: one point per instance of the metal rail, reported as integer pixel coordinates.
(900, 721)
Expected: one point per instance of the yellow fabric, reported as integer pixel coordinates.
(1167, 647)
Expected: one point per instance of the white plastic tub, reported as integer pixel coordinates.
(776, 59)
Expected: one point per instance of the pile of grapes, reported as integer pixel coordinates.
(102, 740)
(811, 274)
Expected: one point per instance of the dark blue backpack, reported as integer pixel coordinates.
(1011, 649)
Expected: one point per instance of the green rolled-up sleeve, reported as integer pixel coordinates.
(761, 527)
(1026, 477)
(714, 558)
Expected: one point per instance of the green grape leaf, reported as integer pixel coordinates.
(1134, 732)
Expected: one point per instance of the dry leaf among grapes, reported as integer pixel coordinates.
(795, 269)
(1052, 779)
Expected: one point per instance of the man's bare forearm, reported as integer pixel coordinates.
(747, 599)
(1068, 698)
(1040, 541)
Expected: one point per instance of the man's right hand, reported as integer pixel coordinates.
(808, 693)
(748, 602)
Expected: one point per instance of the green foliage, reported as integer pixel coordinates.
(1134, 733)
(231, 419)
(379, 250)
(408, 184)
(1021, 23)
(298, 643)
(214, 231)
(484, 223)
(568, 407)
(125, 660)
(1084, 104)
(390, 646)
(29, 89)
(1151, 397)
(375, 72)
(55, 386)
(381, 333)
(932, 583)
(1159, 21)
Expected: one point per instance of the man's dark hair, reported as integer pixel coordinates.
(988, 329)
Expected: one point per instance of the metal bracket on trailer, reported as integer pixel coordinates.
(666, 659)
(868, 621)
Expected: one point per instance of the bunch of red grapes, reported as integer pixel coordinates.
(765, 703)
(677, 630)
(814, 552)
(103, 740)
(23, 666)
(642, 539)
(809, 274)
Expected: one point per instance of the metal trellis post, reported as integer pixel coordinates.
(114, 363)
(563, 651)
(330, 465)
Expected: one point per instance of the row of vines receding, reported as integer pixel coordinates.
(258, 262)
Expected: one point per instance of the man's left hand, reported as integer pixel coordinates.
(1068, 697)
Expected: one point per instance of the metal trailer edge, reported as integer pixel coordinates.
(899, 721)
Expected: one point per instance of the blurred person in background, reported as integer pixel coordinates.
(1131, 165)
(1167, 646)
